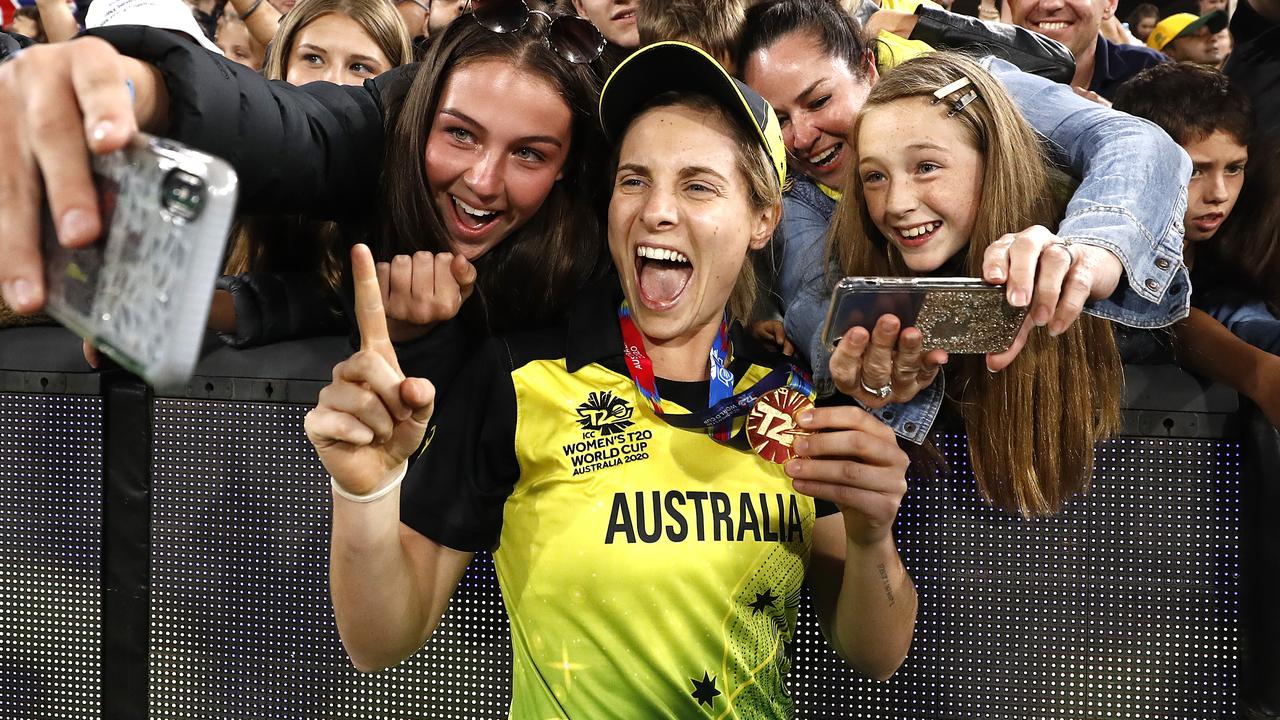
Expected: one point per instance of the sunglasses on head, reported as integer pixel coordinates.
(573, 38)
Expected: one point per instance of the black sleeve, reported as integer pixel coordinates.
(455, 492)
(1031, 52)
(315, 149)
(271, 307)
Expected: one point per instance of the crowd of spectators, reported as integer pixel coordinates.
(1117, 178)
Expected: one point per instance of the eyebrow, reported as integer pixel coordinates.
(313, 48)
(913, 146)
(812, 86)
(546, 139)
(685, 172)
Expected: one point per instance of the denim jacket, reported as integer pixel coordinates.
(1131, 201)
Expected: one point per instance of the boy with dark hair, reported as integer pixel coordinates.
(1213, 121)
(713, 25)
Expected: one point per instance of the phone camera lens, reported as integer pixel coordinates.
(182, 194)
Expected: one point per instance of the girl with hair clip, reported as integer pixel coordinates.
(815, 66)
(654, 486)
(942, 149)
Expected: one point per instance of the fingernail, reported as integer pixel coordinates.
(997, 274)
(806, 417)
(1056, 330)
(101, 130)
(991, 370)
(1017, 298)
(76, 225)
(19, 294)
(792, 467)
(1042, 318)
(801, 446)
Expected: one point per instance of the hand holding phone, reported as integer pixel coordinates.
(887, 365)
(141, 295)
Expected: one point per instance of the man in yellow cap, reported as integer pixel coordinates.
(1190, 38)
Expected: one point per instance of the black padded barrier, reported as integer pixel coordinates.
(1127, 605)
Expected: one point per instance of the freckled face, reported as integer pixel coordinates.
(921, 179)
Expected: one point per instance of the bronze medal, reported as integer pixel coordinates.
(772, 425)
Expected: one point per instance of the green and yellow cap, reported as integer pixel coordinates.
(666, 66)
(1180, 24)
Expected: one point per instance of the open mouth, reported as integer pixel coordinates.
(625, 16)
(917, 235)
(662, 276)
(827, 158)
(1208, 223)
(1052, 25)
(472, 219)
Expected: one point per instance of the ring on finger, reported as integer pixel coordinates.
(1065, 245)
(881, 392)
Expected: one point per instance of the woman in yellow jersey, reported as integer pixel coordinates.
(655, 488)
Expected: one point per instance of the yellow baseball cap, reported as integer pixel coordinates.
(1176, 26)
(660, 67)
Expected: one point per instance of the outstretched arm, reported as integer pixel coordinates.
(1204, 345)
(866, 601)
(1130, 201)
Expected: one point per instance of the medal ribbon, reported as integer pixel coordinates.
(722, 404)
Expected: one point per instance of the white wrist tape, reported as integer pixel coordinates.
(376, 494)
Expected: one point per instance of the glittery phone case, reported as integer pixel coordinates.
(960, 315)
(141, 294)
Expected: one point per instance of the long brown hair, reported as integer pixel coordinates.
(1031, 427)
(531, 275)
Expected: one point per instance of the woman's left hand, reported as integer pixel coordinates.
(853, 460)
(1053, 276)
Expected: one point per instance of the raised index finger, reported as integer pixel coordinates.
(371, 318)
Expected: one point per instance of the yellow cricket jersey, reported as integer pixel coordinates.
(648, 571)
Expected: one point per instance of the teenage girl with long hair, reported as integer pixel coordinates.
(937, 183)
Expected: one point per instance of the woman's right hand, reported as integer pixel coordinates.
(371, 418)
(423, 290)
(889, 357)
(58, 103)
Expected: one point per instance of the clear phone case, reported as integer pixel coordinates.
(142, 293)
(961, 315)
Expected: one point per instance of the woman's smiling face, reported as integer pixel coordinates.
(817, 97)
(490, 169)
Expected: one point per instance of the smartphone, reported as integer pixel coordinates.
(961, 315)
(141, 294)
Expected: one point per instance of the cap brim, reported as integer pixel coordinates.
(667, 66)
(1216, 21)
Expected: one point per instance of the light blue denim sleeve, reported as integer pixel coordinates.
(1131, 199)
(802, 283)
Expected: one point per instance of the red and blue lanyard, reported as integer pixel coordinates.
(722, 404)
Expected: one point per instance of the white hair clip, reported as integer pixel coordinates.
(941, 93)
